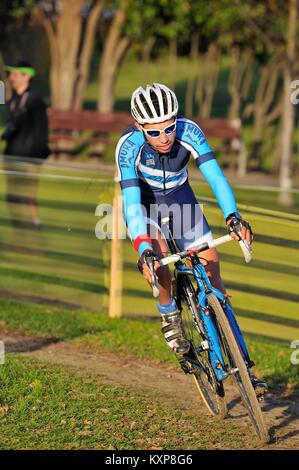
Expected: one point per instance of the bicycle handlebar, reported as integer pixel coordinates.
(246, 249)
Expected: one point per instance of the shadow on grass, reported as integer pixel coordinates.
(23, 345)
(232, 404)
(265, 265)
(266, 317)
(286, 404)
(38, 300)
(267, 239)
(51, 228)
(264, 291)
(55, 280)
(56, 255)
(246, 288)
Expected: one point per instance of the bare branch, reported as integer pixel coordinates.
(275, 113)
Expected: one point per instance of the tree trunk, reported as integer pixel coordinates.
(191, 81)
(262, 109)
(54, 68)
(146, 54)
(68, 30)
(173, 52)
(71, 48)
(275, 157)
(114, 51)
(285, 181)
(207, 81)
(212, 79)
(86, 55)
(240, 78)
(233, 85)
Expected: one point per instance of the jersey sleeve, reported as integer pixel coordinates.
(213, 174)
(194, 140)
(127, 155)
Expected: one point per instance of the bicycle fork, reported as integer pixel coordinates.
(215, 350)
(237, 332)
(215, 353)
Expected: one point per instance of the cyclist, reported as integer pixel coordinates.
(152, 157)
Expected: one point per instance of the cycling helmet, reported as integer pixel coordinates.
(153, 104)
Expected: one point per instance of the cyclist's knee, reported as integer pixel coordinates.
(213, 269)
(160, 247)
(211, 263)
(164, 276)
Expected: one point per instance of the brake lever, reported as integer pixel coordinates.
(154, 282)
(247, 250)
(245, 247)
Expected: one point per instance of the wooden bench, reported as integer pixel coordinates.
(228, 132)
(71, 129)
(220, 128)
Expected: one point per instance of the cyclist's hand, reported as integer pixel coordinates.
(148, 257)
(239, 229)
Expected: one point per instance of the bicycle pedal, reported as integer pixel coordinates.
(205, 345)
(186, 367)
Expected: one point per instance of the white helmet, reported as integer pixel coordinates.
(153, 104)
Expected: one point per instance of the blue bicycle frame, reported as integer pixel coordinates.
(205, 289)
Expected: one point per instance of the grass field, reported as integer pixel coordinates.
(49, 407)
(138, 336)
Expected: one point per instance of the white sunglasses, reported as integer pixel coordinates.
(157, 132)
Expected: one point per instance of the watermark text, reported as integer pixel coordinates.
(2, 92)
(2, 353)
(295, 354)
(186, 221)
(295, 94)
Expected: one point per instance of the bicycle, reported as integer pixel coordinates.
(217, 349)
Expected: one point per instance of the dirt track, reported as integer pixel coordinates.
(281, 412)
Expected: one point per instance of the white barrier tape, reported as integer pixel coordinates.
(51, 176)
(256, 210)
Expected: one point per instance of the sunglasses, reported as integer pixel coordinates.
(157, 132)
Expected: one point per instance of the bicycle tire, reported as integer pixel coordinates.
(210, 389)
(241, 374)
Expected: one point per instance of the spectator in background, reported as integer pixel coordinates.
(26, 135)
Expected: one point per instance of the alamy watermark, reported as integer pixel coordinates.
(2, 92)
(295, 94)
(295, 354)
(2, 353)
(186, 220)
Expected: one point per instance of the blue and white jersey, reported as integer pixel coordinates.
(140, 165)
(143, 170)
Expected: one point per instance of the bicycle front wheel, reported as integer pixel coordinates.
(239, 370)
(210, 389)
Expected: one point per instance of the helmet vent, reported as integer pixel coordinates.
(153, 104)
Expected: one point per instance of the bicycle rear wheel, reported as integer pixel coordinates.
(239, 370)
(210, 389)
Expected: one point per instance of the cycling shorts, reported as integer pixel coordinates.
(186, 219)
